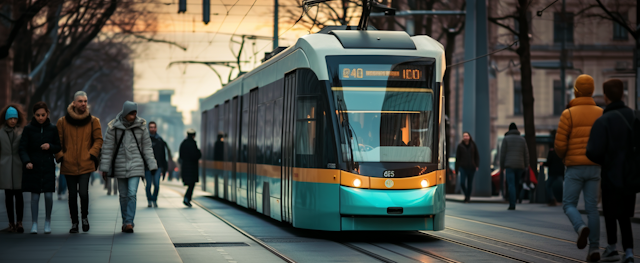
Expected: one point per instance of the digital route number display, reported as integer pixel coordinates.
(381, 72)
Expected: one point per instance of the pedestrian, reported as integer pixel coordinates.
(111, 183)
(556, 171)
(159, 146)
(608, 142)
(81, 139)
(467, 161)
(127, 152)
(11, 122)
(62, 186)
(514, 161)
(38, 146)
(582, 175)
(189, 156)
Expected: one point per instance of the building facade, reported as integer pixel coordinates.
(168, 119)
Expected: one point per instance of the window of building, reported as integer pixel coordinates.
(558, 26)
(517, 97)
(619, 32)
(558, 100)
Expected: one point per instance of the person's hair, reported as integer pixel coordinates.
(40, 105)
(154, 123)
(22, 116)
(79, 93)
(613, 89)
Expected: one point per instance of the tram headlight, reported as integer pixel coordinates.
(424, 183)
(357, 183)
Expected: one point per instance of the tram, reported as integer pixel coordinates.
(343, 131)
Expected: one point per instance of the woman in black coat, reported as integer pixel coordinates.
(38, 146)
(467, 162)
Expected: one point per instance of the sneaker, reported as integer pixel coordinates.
(128, 228)
(155, 204)
(74, 228)
(47, 227)
(511, 208)
(85, 224)
(150, 204)
(594, 255)
(187, 203)
(628, 260)
(583, 236)
(610, 256)
(34, 228)
(19, 227)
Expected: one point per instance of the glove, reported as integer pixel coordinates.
(95, 161)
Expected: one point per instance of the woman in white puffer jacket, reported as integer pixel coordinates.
(125, 153)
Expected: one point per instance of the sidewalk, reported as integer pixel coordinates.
(498, 199)
(157, 233)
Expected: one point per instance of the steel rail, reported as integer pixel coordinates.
(471, 246)
(368, 253)
(426, 253)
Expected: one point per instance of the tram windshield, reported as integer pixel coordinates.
(386, 117)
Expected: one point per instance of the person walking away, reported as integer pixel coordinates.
(127, 152)
(608, 142)
(514, 160)
(159, 146)
(11, 122)
(582, 175)
(467, 161)
(189, 155)
(38, 146)
(81, 140)
(62, 186)
(556, 171)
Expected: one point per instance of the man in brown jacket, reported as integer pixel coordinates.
(81, 139)
(582, 175)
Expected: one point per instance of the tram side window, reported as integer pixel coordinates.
(305, 132)
(277, 132)
(260, 140)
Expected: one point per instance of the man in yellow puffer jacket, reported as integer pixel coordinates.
(582, 174)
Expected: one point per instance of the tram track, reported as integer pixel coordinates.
(522, 231)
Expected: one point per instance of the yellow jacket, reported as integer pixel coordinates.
(574, 129)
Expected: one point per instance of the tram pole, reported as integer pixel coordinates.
(275, 24)
(476, 119)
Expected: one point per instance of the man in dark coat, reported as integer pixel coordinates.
(514, 160)
(467, 162)
(158, 145)
(556, 171)
(189, 156)
(610, 136)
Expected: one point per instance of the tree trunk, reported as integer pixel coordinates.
(446, 81)
(22, 58)
(524, 52)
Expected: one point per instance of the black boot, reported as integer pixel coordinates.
(85, 224)
(74, 228)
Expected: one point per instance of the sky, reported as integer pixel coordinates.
(209, 42)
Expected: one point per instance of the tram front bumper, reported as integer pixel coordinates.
(375, 209)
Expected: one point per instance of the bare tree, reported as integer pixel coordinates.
(517, 23)
(331, 13)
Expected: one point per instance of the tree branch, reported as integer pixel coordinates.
(20, 23)
(493, 20)
(615, 19)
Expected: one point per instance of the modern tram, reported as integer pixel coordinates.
(343, 131)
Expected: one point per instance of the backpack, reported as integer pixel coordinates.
(631, 169)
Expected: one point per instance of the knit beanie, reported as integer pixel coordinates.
(584, 86)
(513, 126)
(11, 113)
(128, 107)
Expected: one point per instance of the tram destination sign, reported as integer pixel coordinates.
(383, 72)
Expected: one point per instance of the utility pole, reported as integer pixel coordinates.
(563, 53)
(637, 55)
(275, 24)
(476, 119)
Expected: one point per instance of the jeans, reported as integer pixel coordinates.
(19, 204)
(189, 193)
(512, 176)
(128, 188)
(155, 180)
(466, 181)
(78, 184)
(549, 185)
(62, 185)
(583, 178)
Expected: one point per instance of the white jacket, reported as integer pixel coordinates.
(128, 160)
